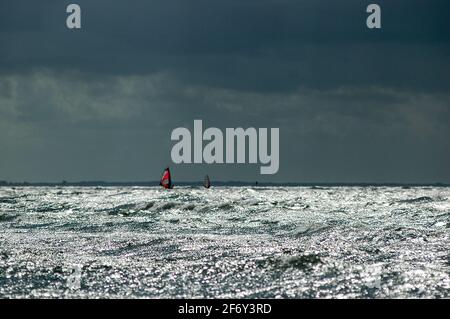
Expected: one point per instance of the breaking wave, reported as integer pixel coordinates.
(422, 199)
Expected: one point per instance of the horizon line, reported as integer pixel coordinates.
(218, 183)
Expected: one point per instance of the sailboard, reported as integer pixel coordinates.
(166, 179)
(207, 182)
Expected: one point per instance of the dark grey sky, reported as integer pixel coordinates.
(352, 104)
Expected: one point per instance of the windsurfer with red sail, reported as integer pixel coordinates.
(166, 179)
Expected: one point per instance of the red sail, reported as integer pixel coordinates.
(166, 180)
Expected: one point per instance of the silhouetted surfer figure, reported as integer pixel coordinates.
(207, 182)
(166, 179)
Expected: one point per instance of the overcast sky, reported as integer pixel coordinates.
(100, 103)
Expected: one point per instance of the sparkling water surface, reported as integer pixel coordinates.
(225, 242)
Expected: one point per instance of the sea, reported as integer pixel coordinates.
(225, 242)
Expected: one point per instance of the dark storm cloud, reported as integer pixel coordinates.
(250, 45)
(352, 104)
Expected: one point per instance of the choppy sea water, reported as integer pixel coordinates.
(262, 242)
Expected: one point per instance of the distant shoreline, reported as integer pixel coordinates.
(216, 183)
